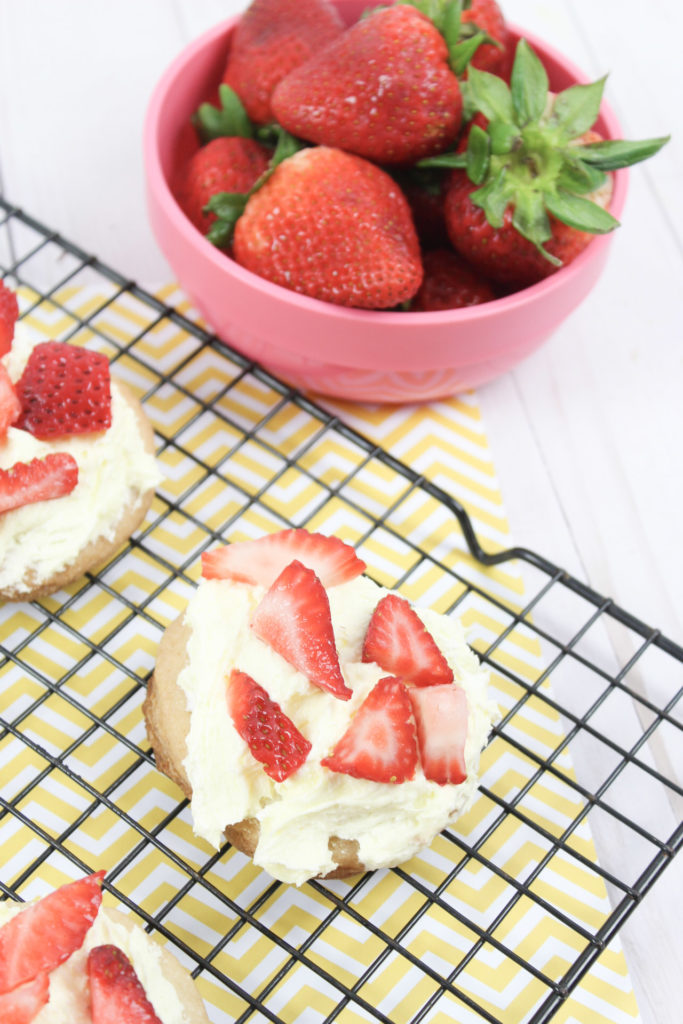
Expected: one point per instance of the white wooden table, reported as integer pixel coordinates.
(586, 434)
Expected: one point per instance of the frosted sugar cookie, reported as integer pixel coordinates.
(319, 722)
(66, 959)
(77, 468)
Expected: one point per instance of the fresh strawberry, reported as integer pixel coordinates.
(116, 993)
(441, 719)
(333, 227)
(449, 283)
(486, 16)
(9, 313)
(532, 193)
(271, 736)
(10, 406)
(64, 390)
(271, 39)
(223, 165)
(261, 561)
(25, 483)
(294, 619)
(397, 641)
(384, 90)
(44, 934)
(24, 1002)
(379, 744)
(501, 252)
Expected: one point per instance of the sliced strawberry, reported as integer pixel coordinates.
(398, 642)
(294, 619)
(116, 993)
(10, 406)
(441, 719)
(9, 313)
(44, 934)
(379, 744)
(271, 736)
(38, 480)
(64, 390)
(24, 1002)
(261, 561)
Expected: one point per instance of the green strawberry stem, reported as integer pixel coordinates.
(230, 119)
(531, 156)
(229, 206)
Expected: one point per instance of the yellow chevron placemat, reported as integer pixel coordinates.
(478, 927)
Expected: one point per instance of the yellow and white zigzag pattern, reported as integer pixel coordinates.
(75, 768)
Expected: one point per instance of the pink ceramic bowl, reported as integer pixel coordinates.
(347, 353)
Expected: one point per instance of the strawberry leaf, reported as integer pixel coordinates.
(493, 198)
(462, 53)
(478, 154)
(490, 95)
(576, 176)
(616, 153)
(504, 137)
(529, 84)
(470, 28)
(463, 39)
(531, 220)
(228, 207)
(230, 119)
(581, 213)
(220, 233)
(448, 160)
(268, 134)
(224, 204)
(576, 109)
(468, 107)
(287, 145)
(451, 24)
(440, 13)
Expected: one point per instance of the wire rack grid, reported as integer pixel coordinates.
(83, 656)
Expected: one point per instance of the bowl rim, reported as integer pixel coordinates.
(401, 320)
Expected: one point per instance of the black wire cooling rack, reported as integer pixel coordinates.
(73, 670)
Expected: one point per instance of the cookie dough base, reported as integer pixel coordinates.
(168, 724)
(173, 971)
(100, 549)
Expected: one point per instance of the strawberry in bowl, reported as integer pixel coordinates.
(274, 292)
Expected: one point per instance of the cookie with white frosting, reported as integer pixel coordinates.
(66, 959)
(77, 467)
(320, 723)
